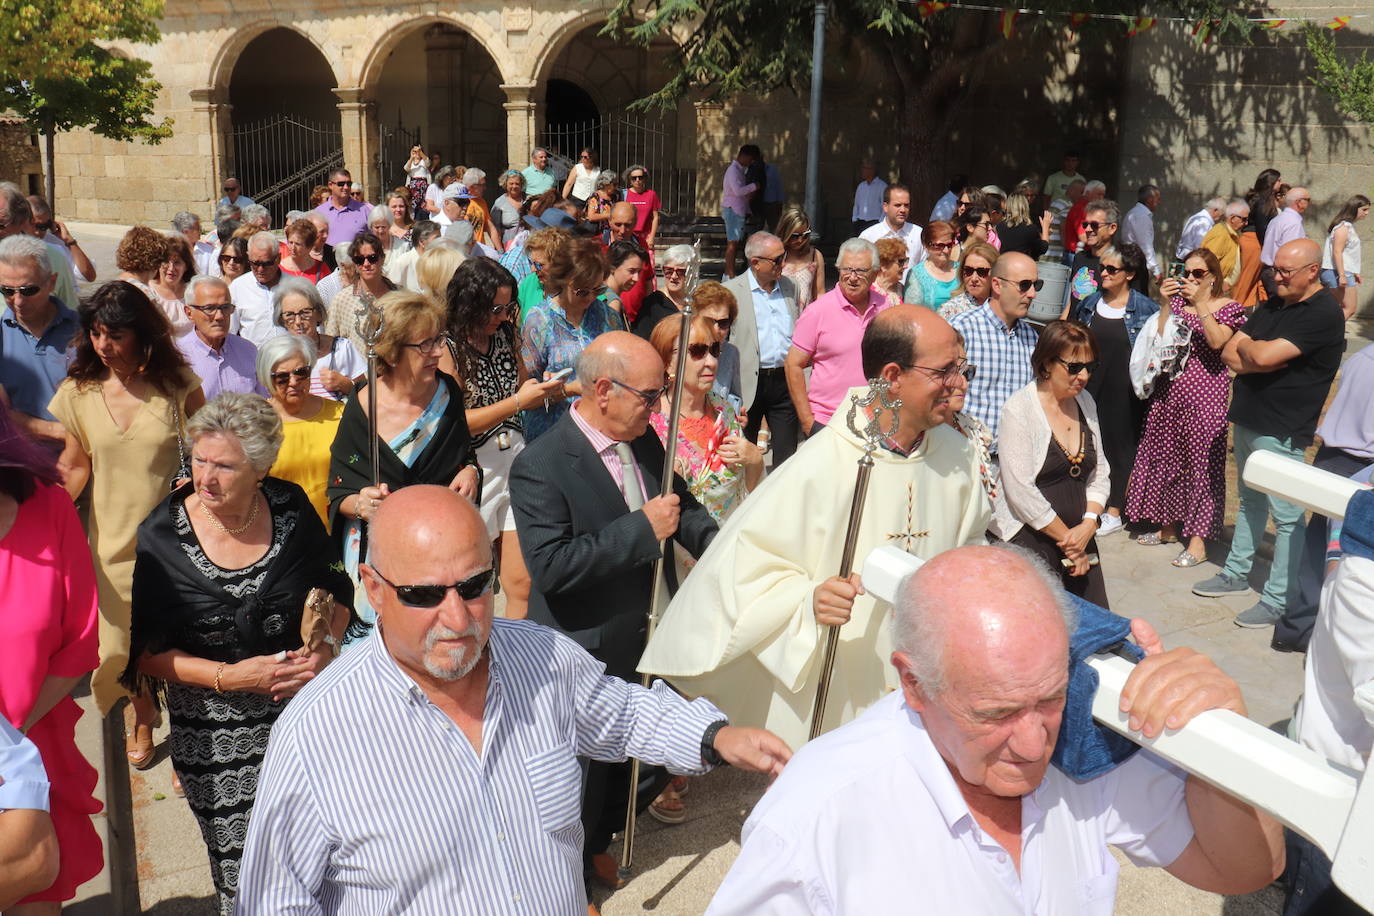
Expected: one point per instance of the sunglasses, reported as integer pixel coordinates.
(427, 596)
(342, 184)
(1196, 273)
(232, 259)
(980, 271)
(724, 324)
(229, 190)
(674, 271)
(776, 262)
(1092, 226)
(1109, 270)
(941, 246)
(699, 350)
(29, 290)
(368, 258)
(1025, 285)
(798, 236)
(1075, 368)
(510, 308)
(638, 177)
(213, 310)
(262, 265)
(281, 378)
(650, 398)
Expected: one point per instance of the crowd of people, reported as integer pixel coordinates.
(269, 547)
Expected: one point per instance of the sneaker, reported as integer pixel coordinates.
(1111, 524)
(1219, 586)
(1258, 617)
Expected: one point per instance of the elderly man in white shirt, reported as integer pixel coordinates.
(252, 292)
(1138, 227)
(941, 797)
(1197, 227)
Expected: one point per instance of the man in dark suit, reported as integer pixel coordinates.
(768, 312)
(590, 524)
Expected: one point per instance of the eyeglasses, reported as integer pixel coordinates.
(1092, 226)
(427, 596)
(941, 246)
(582, 292)
(638, 177)
(368, 258)
(342, 184)
(302, 315)
(1024, 285)
(903, 262)
(965, 369)
(262, 265)
(29, 290)
(980, 271)
(229, 189)
(510, 308)
(232, 259)
(674, 272)
(699, 350)
(1109, 269)
(43, 227)
(1283, 273)
(1196, 273)
(854, 271)
(585, 156)
(776, 262)
(429, 345)
(1075, 368)
(213, 310)
(798, 236)
(650, 398)
(281, 378)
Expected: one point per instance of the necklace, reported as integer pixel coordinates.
(1076, 460)
(214, 520)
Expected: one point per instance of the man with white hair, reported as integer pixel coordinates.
(16, 218)
(826, 338)
(475, 180)
(539, 175)
(223, 361)
(1197, 227)
(942, 792)
(252, 292)
(35, 330)
(896, 224)
(1223, 240)
(257, 215)
(187, 224)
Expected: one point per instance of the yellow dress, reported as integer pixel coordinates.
(130, 474)
(304, 455)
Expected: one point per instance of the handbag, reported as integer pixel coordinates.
(183, 459)
(316, 621)
(1157, 353)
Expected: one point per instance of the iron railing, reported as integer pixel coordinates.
(279, 159)
(393, 152)
(622, 139)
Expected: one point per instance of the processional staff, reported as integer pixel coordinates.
(370, 323)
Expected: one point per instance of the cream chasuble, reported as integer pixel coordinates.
(741, 630)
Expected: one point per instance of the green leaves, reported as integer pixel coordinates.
(1350, 85)
(115, 99)
(45, 38)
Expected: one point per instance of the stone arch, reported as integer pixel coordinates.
(375, 61)
(232, 48)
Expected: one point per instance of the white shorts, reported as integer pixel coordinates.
(496, 462)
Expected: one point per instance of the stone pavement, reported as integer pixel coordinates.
(679, 867)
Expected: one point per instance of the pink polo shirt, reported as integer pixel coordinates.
(831, 329)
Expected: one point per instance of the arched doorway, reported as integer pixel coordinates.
(572, 118)
(285, 135)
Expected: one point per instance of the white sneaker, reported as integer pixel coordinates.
(1111, 524)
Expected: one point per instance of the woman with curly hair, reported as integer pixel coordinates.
(124, 405)
(169, 283)
(139, 255)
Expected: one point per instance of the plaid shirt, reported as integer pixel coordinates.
(1002, 356)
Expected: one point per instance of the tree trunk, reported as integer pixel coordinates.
(49, 179)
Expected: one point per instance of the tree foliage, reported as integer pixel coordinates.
(47, 38)
(115, 99)
(1350, 85)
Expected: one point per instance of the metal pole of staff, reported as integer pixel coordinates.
(868, 426)
(684, 336)
(370, 322)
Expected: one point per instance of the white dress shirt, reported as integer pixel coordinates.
(1138, 228)
(372, 801)
(252, 308)
(23, 780)
(868, 819)
(868, 200)
(910, 235)
(1190, 239)
(1332, 719)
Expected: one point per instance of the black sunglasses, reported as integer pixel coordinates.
(342, 184)
(232, 259)
(1025, 285)
(776, 262)
(368, 258)
(510, 308)
(263, 265)
(723, 323)
(980, 271)
(281, 378)
(650, 398)
(30, 290)
(1092, 226)
(470, 589)
(1075, 368)
(699, 350)
(1197, 273)
(1110, 269)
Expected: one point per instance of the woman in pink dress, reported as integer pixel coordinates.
(48, 614)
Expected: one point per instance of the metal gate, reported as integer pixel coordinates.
(622, 139)
(393, 152)
(278, 160)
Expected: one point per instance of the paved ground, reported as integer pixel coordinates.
(678, 868)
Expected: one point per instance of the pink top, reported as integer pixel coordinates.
(831, 329)
(645, 204)
(604, 446)
(48, 620)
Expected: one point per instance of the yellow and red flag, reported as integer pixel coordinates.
(1272, 23)
(1338, 23)
(928, 8)
(1141, 24)
(1007, 22)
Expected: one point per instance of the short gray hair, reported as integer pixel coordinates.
(607, 178)
(859, 246)
(341, 255)
(265, 239)
(284, 346)
(508, 174)
(1216, 203)
(16, 204)
(22, 251)
(192, 295)
(472, 176)
(246, 417)
(226, 211)
(380, 214)
(293, 215)
(1111, 213)
(297, 286)
(754, 245)
(254, 212)
(642, 168)
(1237, 207)
(682, 255)
(423, 231)
(599, 362)
(918, 632)
(1095, 185)
(539, 149)
(184, 221)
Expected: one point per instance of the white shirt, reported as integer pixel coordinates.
(206, 256)
(1330, 719)
(1138, 228)
(252, 309)
(867, 819)
(944, 207)
(910, 234)
(868, 200)
(1190, 239)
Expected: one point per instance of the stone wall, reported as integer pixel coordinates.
(20, 159)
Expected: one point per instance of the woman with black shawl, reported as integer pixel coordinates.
(421, 422)
(223, 569)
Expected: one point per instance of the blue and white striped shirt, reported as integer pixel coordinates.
(1003, 358)
(373, 801)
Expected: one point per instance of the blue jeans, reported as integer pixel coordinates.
(1328, 278)
(1255, 509)
(1307, 883)
(734, 224)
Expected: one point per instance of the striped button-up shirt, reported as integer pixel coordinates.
(1002, 355)
(604, 447)
(372, 800)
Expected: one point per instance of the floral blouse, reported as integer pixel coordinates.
(716, 486)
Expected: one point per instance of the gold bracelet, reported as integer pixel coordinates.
(218, 673)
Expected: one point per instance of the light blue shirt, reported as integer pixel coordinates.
(243, 201)
(23, 781)
(774, 322)
(31, 369)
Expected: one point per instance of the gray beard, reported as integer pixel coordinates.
(460, 661)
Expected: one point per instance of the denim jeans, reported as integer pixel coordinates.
(1255, 509)
(1308, 890)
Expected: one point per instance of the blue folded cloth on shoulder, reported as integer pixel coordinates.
(1357, 531)
(1086, 749)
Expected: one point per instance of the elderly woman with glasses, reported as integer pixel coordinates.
(556, 331)
(802, 262)
(669, 298)
(221, 574)
(338, 366)
(421, 422)
(507, 211)
(366, 254)
(300, 260)
(936, 279)
(1055, 478)
(975, 278)
(309, 422)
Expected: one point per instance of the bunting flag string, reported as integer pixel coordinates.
(1135, 25)
(1008, 22)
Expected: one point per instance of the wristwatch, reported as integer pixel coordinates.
(709, 755)
(1095, 516)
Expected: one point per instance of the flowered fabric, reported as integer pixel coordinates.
(550, 343)
(716, 485)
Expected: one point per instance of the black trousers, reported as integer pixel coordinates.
(1295, 626)
(772, 402)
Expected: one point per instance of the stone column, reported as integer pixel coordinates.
(522, 122)
(713, 141)
(358, 122)
(215, 143)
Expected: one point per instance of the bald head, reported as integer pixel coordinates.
(611, 354)
(415, 524)
(898, 335)
(613, 371)
(1296, 267)
(623, 211)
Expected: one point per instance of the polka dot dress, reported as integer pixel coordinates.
(1180, 467)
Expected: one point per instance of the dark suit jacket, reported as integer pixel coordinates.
(590, 559)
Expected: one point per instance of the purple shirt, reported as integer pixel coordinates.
(1283, 229)
(1349, 422)
(233, 367)
(344, 222)
(737, 188)
(831, 329)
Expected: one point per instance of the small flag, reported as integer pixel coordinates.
(1008, 22)
(1141, 24)
(1338, 23)
(1272, 23)
(1077, 19)
(928, 8)
(1202, 30)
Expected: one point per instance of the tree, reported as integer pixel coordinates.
(47, 37)
(938, 59)
(1351, 86)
